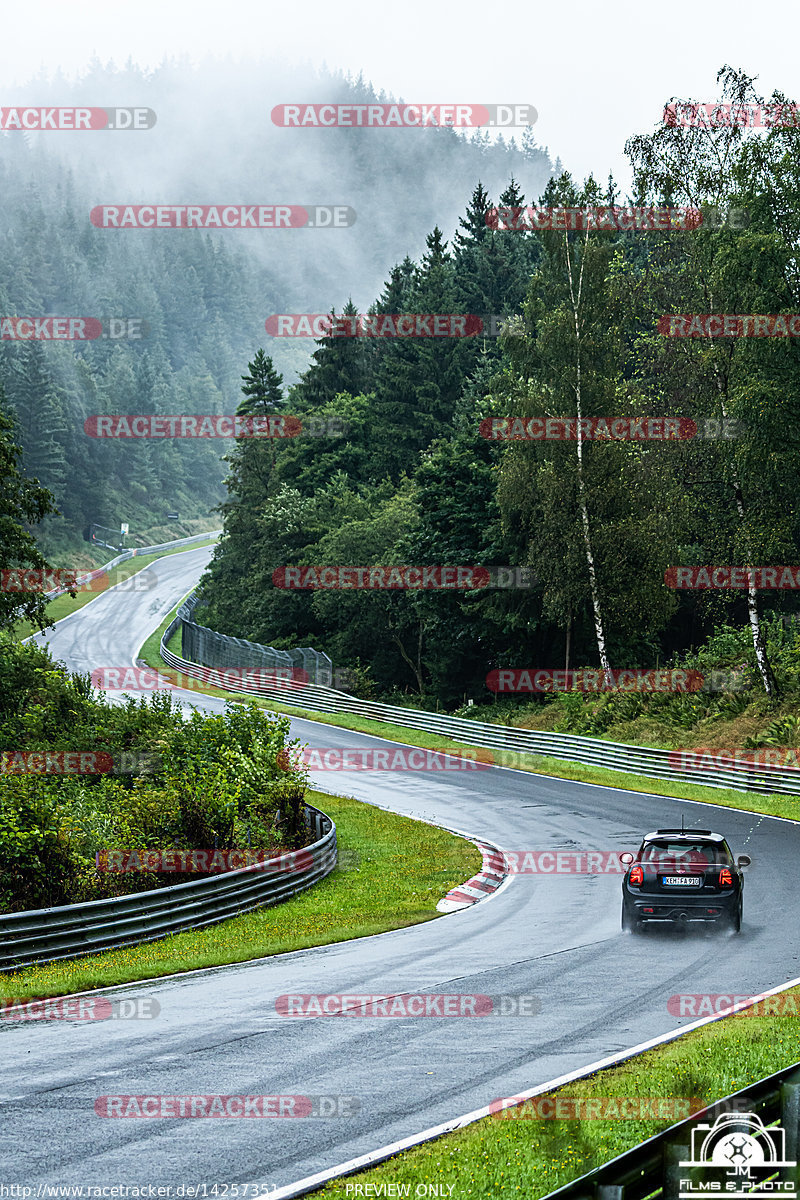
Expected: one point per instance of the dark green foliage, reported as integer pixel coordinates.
(204, 784)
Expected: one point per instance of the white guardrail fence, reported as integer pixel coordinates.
(72, 930)
(507, 742)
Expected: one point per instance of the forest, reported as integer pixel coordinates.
(598, 323)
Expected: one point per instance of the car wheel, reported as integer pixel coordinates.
(629, 923)
(735, 924)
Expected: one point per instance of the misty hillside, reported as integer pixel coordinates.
(203, 295)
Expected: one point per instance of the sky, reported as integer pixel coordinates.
(596, 72)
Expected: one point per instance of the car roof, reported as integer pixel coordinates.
(698, 835)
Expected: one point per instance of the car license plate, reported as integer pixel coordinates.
(681, 880)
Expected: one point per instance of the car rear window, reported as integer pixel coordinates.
(688, 854)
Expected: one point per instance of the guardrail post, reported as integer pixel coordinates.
(672, 1172)
(610, 1191)
(790, 1121)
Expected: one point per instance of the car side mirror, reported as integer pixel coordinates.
(626, 857)
(743, 860)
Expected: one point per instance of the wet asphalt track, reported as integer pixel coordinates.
(218, 1032)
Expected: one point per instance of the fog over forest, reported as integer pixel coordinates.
(204, 295)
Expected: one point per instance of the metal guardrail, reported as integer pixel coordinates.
(72, 930)
(133, 553)
(508, 741)
(651, 1168)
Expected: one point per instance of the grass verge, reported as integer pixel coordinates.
(397, 882)
(517, 1156)
(62, 606)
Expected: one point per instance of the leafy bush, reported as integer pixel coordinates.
(218, 781)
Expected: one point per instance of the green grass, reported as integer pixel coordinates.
(62, 606)
(519, 1156)
(397, 881)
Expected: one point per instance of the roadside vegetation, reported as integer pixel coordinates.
(163, 782)
(393, 873)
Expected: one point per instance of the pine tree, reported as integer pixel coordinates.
(474, 223)
(339, 364)
(23, 504)
(41, 419)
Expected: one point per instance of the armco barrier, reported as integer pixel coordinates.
(72, 930)
(651, 1169)
(615, 756)
(133, 553)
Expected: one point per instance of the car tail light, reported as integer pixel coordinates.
(725, 878)
(636, 876)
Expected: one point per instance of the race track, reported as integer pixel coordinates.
(218, 1032)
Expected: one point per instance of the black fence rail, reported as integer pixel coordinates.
(215, 652)
(653, 1168)
(72, 930)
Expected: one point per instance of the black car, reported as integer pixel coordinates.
(682, 876)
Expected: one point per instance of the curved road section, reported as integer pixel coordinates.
(363, 1081)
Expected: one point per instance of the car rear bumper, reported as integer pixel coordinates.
(682, 909)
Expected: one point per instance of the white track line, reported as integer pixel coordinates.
(313, 1182)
